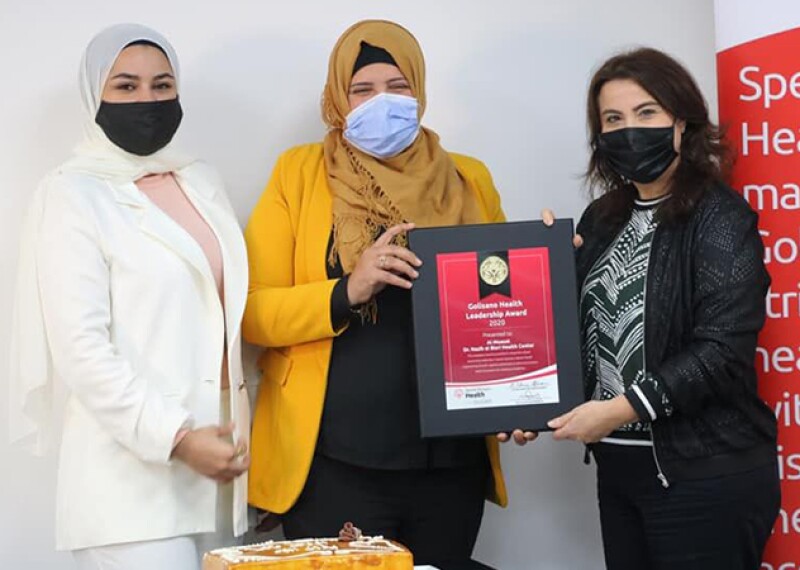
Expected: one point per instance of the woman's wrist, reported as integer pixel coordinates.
(180, 436)
(622, 410)
(353, 300)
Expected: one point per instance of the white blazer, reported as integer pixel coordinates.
(136, 331)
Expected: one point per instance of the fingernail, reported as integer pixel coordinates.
(551, 423)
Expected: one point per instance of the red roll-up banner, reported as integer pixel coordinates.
(758, 69)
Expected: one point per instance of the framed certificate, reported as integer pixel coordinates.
(496, 331)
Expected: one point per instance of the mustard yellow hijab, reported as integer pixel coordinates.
(419, 185)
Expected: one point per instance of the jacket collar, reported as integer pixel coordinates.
(212, 206)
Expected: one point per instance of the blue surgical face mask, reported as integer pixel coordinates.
(384, 126)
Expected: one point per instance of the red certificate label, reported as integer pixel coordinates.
(498, 338)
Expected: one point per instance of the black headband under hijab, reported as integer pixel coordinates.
(370, 54)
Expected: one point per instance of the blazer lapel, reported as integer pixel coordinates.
(156, 224)
(215, 210)
(319, 227)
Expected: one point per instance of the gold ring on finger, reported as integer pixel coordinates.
(382, 261)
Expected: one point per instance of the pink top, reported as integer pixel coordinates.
(164, 191)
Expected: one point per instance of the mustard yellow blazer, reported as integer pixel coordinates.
(288, 312)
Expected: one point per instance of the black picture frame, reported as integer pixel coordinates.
(435, 419)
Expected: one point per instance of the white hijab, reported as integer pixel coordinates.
(97, 155)
(31, 383)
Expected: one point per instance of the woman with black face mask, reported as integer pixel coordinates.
(120, 296)
(671, 300)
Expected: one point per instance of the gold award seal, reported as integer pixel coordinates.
(493, 270)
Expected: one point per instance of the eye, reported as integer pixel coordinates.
(648, 112)
(400, 87)
(360, 91)
(611, 119)
(125, 87)
(163, 86)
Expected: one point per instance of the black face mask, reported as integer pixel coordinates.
(640, 154)
(140, 128)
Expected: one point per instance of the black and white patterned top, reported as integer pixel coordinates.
(612, 315)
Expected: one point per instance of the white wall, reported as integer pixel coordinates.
(506, 83)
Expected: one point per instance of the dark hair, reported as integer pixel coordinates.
(704, 156)
(148, 43)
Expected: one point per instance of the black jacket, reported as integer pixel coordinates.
(704, 307)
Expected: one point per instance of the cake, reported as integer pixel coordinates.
(363, 553)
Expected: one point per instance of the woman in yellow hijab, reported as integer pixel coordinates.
(336, 431)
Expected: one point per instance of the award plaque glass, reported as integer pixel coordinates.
(496, 332)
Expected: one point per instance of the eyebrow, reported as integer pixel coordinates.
(371, 83)
(123, 75)
(638, 107)
(641, 106)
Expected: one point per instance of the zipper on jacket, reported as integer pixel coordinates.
(661, 477)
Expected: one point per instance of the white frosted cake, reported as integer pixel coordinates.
(364, 553)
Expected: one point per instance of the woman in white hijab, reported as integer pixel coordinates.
(132, 284)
